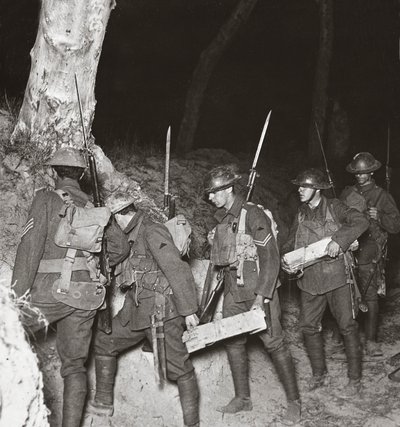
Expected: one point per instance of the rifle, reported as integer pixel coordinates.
(103, 315)
(355, 296)
(212, 301)
(328, 173)
(253, 172)
(250, 185)
(169, 200)
(388, 169)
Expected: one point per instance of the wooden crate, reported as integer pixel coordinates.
(308, 255)
(252, 321)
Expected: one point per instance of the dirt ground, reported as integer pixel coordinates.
(138, 401)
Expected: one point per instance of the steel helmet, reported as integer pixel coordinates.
(68, 156)
(363, 162)
(312, 178)
(118, 201)
(220, 178)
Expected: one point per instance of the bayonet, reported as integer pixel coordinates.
(169, 200)
(328, 173)
(253, 172)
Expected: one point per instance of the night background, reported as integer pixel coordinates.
(152, 47)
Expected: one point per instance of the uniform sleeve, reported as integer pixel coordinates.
(117, 243)
(290, 242)
(267, 250)
(177, 271)
(389, 216)
(354, 223)
(31, 247)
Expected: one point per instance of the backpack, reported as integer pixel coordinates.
(80, 228)
(180, 230)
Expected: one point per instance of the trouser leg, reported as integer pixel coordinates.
(340, 304)
(189, 397)
(312, 310)
(75, 389)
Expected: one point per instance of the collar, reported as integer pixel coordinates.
(235, 209)
(134, 221)
(318, 211)
(364, 188)
(67, 182)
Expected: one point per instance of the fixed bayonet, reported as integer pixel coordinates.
(169, 200)
(253, 172)
(328, 173)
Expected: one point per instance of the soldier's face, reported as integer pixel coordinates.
(219, 198)
(363, 178)
(306, 194)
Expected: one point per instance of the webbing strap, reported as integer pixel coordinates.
(66, 271)
(56, 265)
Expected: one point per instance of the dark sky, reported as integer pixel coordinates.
(151, 49)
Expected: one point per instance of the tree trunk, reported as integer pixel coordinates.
(208, 60)
(69, 41)
(321, 80)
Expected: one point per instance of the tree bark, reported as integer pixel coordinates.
(69, 41)
(321, 80)
(208, 60)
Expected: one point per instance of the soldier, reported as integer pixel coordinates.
(39, 265)
(251, 283)
(325, 282)
(157, 282)
(384, 219)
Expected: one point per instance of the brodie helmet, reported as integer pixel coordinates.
(118, 201)
(312, 178)
(220, 178)
(363, 162)
(68, 156)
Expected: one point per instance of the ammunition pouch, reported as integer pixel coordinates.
(81, 295)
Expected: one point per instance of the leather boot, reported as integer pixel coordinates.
(103, 403)
(75, 389)
(237, 356)
(353, 353)
(189, 397)
(285, 369)
(315, 349)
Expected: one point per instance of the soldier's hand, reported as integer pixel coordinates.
(333, 249)
(373, 213)
(191, 321)
(258, 303)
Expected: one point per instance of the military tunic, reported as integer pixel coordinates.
(325, 282)
(373, 240)
(74, 326)
(153, 269)
(261, 279)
